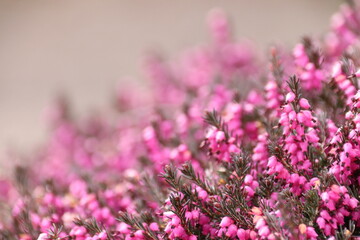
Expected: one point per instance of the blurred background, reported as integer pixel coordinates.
(85, 48)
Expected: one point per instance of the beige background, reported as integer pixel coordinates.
(84, 48)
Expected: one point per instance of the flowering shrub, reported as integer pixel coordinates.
(231, 150)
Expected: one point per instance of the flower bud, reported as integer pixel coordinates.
(304, 103)
(290, 97)
(226, 221)
(302, 228)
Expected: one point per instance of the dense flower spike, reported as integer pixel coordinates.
(221, 148)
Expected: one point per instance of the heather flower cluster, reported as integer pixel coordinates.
(224, 146)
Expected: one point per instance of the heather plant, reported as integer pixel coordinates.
(229, 146)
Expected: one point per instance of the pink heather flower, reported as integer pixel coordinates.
(154, 227)
(290, 97)
(219, 26)
(195, 214)
(102, 235)
(178, 231)
(321, 222)
(226, 221)
(203, 194)
(193, 237)
(242, 234)
(123, 228)
(220, 136)
(324, 214)
(300, 56)
(264, 231)
(232, 230)
(43, 236)
(357, 74)
(175, 221)
(304, 103)
(260, 223)
(310, 233)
